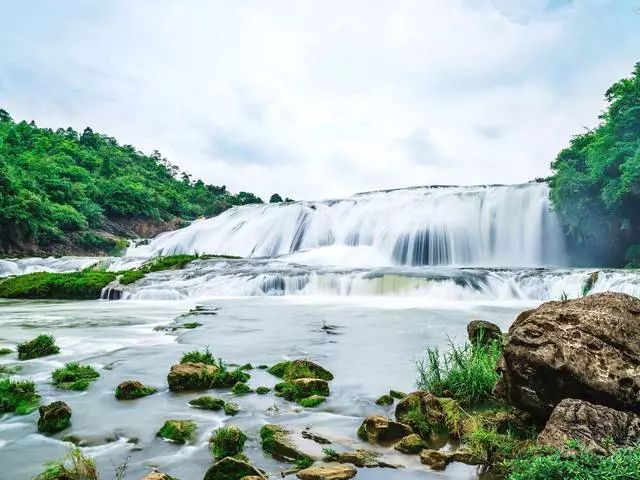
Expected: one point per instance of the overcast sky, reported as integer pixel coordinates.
(317, 99)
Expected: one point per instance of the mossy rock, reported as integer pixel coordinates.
(385, 400)
(231, 409)
(262, 390)
(295, 390)
(241, 388)
(191, 376)
(312, 401)
(382, 430)
(178, 431)
(54, 417)
(230, 468)
(429, 415)
(276, 441)
(292, 370)
(5, 351)
(227, 442)
(191, 325)
(41, 346)
(207, 402)
(411, 444)
(74, 376)
(132, 389)
(397, 394)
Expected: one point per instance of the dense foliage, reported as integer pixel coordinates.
(596, 183)
(57, 186)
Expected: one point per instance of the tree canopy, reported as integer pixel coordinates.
(595, 186)
(57, 185)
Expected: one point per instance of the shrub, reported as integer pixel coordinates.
(466, 373)
(86, 285)
(19, 397)
(75, 466)
(74, 376)
(40, 346)
(227, 442)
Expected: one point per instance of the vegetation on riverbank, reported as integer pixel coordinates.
(595, 182)
(67, 191)
(85, 285)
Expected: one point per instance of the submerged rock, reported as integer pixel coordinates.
(277, 442)
(191, 376)
(291, 370)
(482, 332)
(132, 389)
(230, 468)
(54, 417)
(379, 429)
(327, 472)
(599, 429)
(588, 349)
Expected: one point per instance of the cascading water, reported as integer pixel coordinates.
(460, 226)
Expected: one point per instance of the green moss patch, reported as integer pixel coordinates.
(132, 389)
(18, 397)
(131, 276)
(295, 369)
(241, 388)
(40, 346)
(5, 351)
(231, 409)
(300, 388)
(84, 285)
(312, 401)
(74, 376)
(385, 400)
(262, 390)
(227, 442)
(207, 403)
(178, 431)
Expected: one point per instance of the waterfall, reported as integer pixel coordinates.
(502, 225)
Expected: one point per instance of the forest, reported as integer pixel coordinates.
(66, 192)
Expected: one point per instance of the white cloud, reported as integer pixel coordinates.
(321, 99)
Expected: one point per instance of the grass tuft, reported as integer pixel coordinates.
(74, 376)
(19, 397)
(75, 466)
(227, 442)
(40, 346)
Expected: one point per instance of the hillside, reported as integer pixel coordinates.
(66, 192)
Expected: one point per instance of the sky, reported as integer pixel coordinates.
(323, 99)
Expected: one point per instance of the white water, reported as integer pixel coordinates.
(496, 226)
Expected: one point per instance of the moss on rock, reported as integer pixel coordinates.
(230, 468)
(291, 370)
(132, 389)
(74, 376)
(85, 285)
(207, 402)
(54, 417)
(41, 346)
(262, 390)
(19, 397)
(312, 401)
(276, 441)
(5, 351)
(227, 442)
(241, 388)
(231, 409)
(296, 390)
(178, 431)
(384, 400)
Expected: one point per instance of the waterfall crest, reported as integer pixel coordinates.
(503, 225)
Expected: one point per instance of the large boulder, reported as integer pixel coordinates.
(586, 349)
(191, 376)
(378, 429)
(597, 428)
(329, 471)
(54, 417)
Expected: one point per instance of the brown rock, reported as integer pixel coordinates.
(382, 430)
(54, 417)
(230, 468)
(157, 476)
(586, 349)
(191, 376)
(411, 444)
(359, 458)
(435, 459)
(598, 428)
(483, 332)
(327, 472)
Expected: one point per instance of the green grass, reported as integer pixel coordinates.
(131, 276)
(19, 397)
(227, 442)
(199, 357)
(74, 376)
(175, 262)
(40, 346)
(467, 373)
(623, 464)
(42, 285)
(75, 466)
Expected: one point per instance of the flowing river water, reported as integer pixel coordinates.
(356, 285)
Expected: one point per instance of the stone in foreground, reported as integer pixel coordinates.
(54, 417)
(586, 349)
(597, 428)
(482, 332)
(379, 429)
(230, 468)
(327, 472)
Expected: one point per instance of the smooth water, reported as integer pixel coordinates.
(363, 286)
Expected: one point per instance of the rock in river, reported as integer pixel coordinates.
(54, 417)
(191, 376)
(596, 427)
(378, 429)
(230, 468)
(329, 471)
(587, 349)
